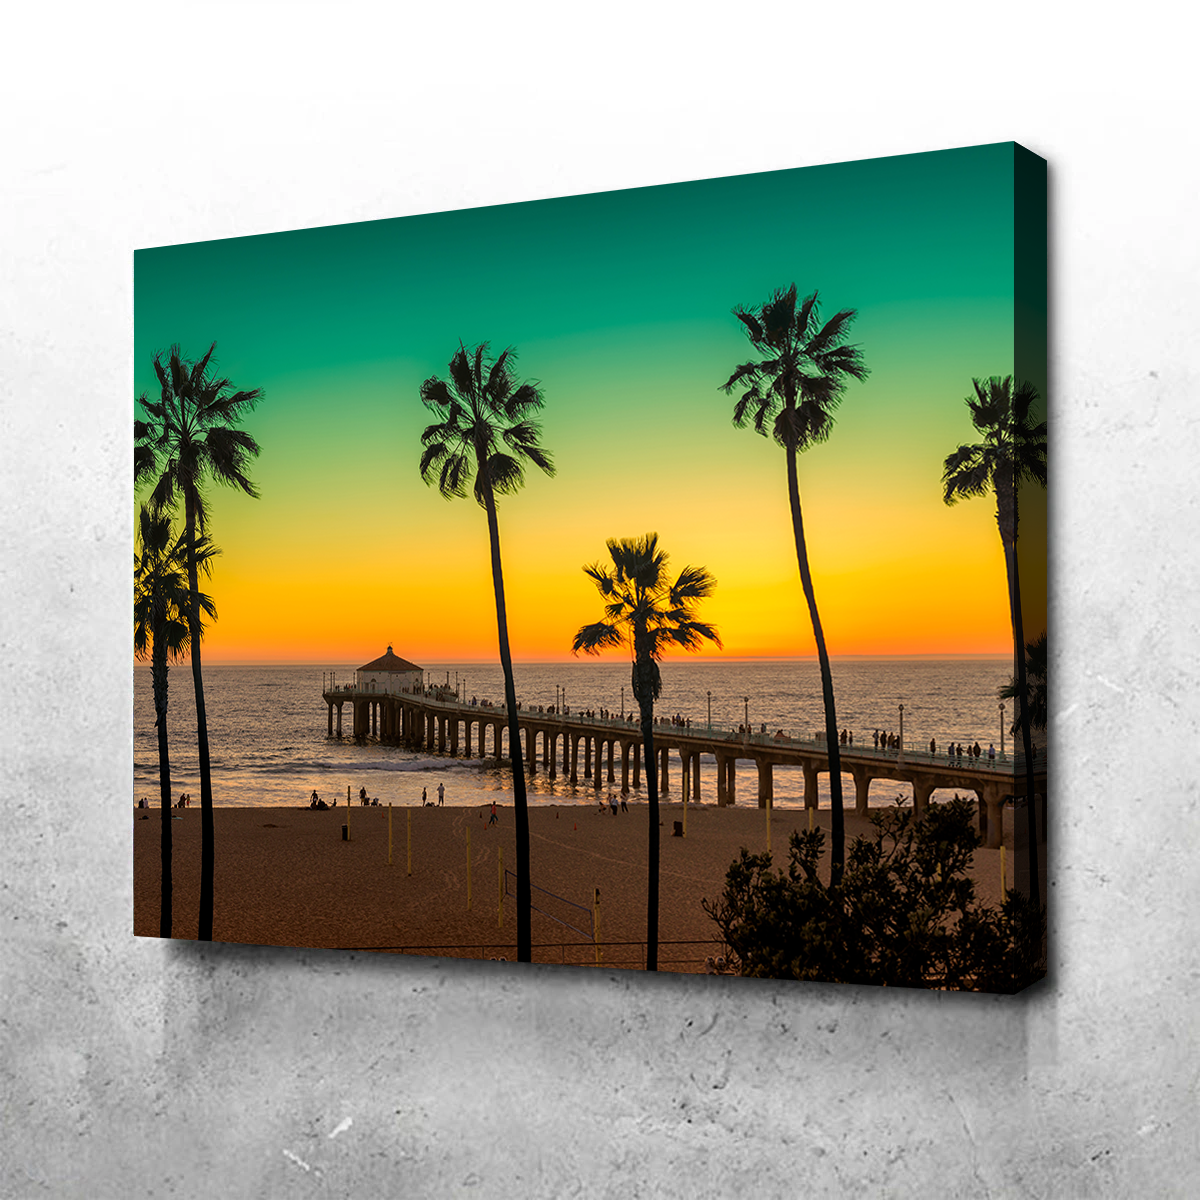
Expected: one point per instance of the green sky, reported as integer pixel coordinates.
(619, 303)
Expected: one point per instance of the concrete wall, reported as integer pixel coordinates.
(392, 682)
(138, 1069)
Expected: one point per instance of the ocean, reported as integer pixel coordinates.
(268, 742)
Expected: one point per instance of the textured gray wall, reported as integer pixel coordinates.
(136, 1069)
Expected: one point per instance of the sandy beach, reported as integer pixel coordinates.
(286, 877)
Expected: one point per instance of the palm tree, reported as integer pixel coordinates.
(160, 631)
(188, 437)
(485, 427)
(790, 394)
(650, 615)
(1012, 452)
(1036, 670)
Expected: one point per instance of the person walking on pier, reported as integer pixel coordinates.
(991, 754)
(933, 747)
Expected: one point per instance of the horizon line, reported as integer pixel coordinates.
(674, 659)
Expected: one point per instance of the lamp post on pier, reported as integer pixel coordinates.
(900, 757)
(746, 701)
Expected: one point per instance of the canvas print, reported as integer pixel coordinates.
(645, 580)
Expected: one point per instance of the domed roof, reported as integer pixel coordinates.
(389, 662)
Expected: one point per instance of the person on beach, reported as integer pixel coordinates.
(362, 795)
(624, 806)
(424, 797)
(441, 794)
(492, 819)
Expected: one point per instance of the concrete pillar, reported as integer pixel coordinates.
(454, 735)
(766, 783)
(731, 781)
(612, 748)
(574, 738)
(531, 748)
(587, 756)
(696, 777)
(992, 798)
(625, 748)
(862, 789)
(330, 705)
(339, 720)
(922, 789)
(637, 764)
(811, 792)
(722, 781)
(598, 773)
(552, 752)
(664, 783)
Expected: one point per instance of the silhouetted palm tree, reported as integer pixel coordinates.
(189, 436)
(649, 614)
(1012, 452)
(1036, 670)
(790, 394)
(485, 429)
(160, 631)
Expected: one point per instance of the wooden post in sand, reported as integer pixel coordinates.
(347, 812)
(389, 833)
(596, 922)
(410, 841)
(500, 919)
(468, 868)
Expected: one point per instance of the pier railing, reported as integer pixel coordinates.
(913, 751)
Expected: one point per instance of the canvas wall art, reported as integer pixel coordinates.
(645, 580)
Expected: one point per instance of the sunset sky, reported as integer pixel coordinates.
(620, 305)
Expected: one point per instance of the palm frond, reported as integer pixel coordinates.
(591, 639)
(462, 375)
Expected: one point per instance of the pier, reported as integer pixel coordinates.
(596, 749)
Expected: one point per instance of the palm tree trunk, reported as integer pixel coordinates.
(1006, 522)
(520, 803)
(837, 818)
(653, 851)
(158, 656)
(1035, 886)
(207, 839)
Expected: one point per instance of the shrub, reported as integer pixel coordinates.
(903, 914)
